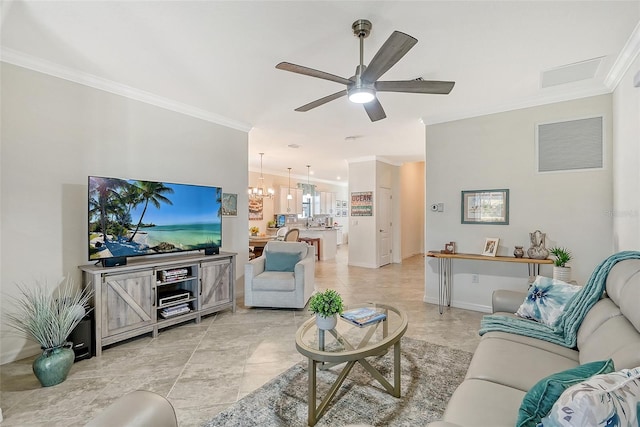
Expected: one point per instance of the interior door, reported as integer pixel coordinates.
(384, 226)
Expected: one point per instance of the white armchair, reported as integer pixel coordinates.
(282, 277)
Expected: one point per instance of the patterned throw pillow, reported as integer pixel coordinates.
(604, 400)
(546, 300)
(540, 398)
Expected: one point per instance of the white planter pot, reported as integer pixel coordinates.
(562, 273)
(326, 323)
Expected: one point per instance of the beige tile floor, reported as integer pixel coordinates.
(203, 368)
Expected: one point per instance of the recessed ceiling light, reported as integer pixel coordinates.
(293, 146)
(311, 172)
(338, 178)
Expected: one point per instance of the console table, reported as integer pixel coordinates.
(445, 272)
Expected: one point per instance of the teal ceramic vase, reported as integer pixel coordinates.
(53, 365)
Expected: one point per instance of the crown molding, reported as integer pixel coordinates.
(501, 108)
(627, 55)
(40, 65)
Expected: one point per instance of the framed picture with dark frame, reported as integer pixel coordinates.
(485, 207)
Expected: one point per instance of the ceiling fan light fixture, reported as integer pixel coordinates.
(362, 95)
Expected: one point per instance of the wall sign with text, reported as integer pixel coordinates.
(362, 203)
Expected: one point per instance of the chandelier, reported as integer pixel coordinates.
(260, 192)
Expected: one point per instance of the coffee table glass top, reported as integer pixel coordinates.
(348, 341)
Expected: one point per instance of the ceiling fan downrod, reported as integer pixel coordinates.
(360, 91)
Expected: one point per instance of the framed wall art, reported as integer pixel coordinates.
(362, 203)
(255, 209)
(485, 207)
(229, 204)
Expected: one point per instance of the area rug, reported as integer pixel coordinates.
(430, 374)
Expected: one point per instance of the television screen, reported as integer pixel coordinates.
(130, 218)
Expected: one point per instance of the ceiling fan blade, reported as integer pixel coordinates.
(299, 69)
(396, 46)
(416, 86)
(374, 110)
(321, 101)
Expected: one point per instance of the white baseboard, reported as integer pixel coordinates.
(462, 304)
(12, 356)
(364, 265)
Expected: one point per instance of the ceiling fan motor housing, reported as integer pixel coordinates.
(361, 28)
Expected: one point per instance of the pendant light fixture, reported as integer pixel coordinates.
(260, 192)
(308, 183)
(289, 196)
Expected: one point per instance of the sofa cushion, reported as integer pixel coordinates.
(546, 300)
(483, 403)
(623, 288)
(281, 261)
(603, 400)
(515, 364)
(540, 398)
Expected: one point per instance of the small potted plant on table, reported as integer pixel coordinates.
(560, 269)
(327, 305)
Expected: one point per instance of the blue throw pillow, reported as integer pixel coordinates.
(281, 261)
(539, 400)
(546, 300)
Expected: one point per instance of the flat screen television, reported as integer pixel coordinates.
(132, 218)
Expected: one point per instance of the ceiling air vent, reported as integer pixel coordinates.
(571, 145)
(570, 73)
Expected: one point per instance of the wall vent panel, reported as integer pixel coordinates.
(570, 145)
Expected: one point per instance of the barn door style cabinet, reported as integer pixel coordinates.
(148, 295)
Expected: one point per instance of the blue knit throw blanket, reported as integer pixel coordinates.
(565, 332)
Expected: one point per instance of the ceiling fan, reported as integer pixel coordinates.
(362, 87)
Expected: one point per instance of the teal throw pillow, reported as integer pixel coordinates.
(546, 300)
(281, 261)
(540, 399)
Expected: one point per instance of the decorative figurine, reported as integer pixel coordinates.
(537, 249)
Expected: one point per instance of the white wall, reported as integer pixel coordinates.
(413, 208)
(55, 133)
(626, 158)
(362, 236)
(497, 151)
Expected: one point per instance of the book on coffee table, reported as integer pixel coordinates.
(363, 316)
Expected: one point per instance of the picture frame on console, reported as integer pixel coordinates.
(490, 247)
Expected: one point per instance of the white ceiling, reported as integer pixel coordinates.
(216, 60)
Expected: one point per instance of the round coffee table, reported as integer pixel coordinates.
(349, 343)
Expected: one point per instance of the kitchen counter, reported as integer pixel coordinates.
(328, 240)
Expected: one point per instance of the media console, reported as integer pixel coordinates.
(146, 295)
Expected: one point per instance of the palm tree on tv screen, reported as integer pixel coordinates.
(151, 192)
(104, 199)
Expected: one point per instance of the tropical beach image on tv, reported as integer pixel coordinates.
(131, 218)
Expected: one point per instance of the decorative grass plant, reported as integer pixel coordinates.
(326, 303)
(562, 255)
(48, 317)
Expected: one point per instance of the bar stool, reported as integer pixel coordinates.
(314, 241)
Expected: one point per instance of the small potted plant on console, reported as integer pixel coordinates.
(560, 269)
(326, 305)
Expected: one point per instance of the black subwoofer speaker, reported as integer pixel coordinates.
(83, 338)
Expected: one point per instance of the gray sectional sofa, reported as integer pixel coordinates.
(505, 366)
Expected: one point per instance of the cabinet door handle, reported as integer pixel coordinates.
(154, 297)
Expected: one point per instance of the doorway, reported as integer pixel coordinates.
(384, 226)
